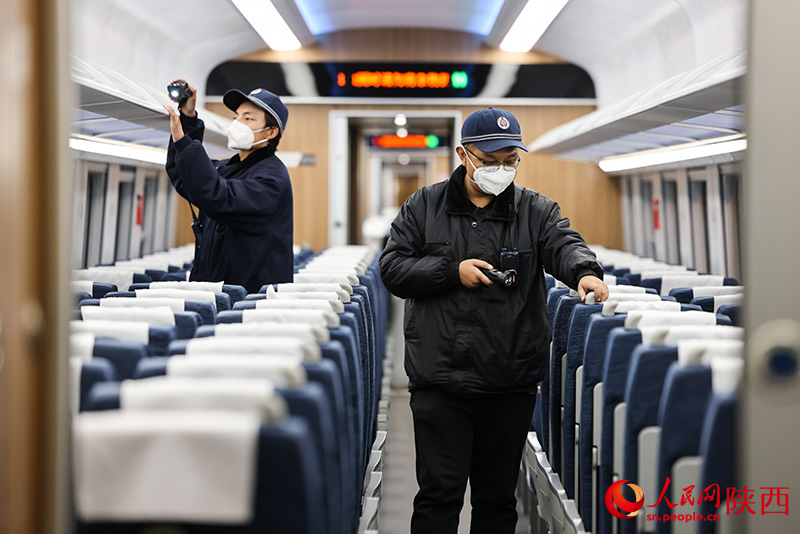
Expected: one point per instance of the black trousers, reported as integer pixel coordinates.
(479, 439)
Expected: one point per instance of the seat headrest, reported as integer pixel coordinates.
(713, 291)
(611, 307)
(161, 315)
(671, 335)
(694, 351)
(305, 332)
(134, 465)
(176, 305)
(183, 393)
(288, 346)
(186, 294)
(133, 331)
(726, 374)
(121, 279)
(326, 278)
(301, 301)
(638, 319)
(327, 319)
(211, 287)
(727, 300)
(668, 283)
(343, 289)
(82, 345)
(283, 371)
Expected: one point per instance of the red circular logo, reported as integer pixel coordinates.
(502, 122)
(614, 497)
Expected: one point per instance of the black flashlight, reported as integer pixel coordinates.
(179, 91)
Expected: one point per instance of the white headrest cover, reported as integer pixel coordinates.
(725, 300)
(117, 329)
(133, 466)
(611, 307)
(326, 278)
(182, 393)
(211, 287)
(349, 271)
(304, 288)
(713, 291)
(726, 373)
(626, 289)
(283, 371)
(121, 279)
(81, 345)
(302, 301)
(287, 346)
(671, 335)
(643, 318)
(610, 279)
(176, 305)
(327, 319)
(202, 296)
(304, 332)
(660, 273)
(85, 286)
(161, 315)
(693, 351)
(668, 283)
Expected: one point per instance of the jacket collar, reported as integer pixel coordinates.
(458, 203)
(252, 159)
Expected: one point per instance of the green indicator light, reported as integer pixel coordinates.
(459, 79)
(432, 141)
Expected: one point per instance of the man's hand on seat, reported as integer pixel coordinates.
(592, 283)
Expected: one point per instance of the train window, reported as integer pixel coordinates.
(697, 197)
(95, 213)
(669, 220)
(125, 213)
(168, 213)
(149, 210)
(731, 183)
(646, 220)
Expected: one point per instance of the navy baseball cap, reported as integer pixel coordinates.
(492, 129)
(262, 98)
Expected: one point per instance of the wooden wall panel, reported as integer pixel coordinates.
(402, 44)
(589, 197)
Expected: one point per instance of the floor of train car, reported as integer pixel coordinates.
(399, 482)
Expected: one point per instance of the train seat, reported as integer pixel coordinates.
(686, 294)
(185, 323)
(155, 337)
(206, 310)
(714, 303)
(663, 285)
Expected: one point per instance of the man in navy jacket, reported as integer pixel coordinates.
(244, 231)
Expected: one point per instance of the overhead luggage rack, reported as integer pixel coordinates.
(115, 109)
(699, 106)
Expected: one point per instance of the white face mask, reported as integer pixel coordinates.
(241, 137)
(492, 180)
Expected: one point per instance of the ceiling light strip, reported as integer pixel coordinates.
(532, 22)
(675, 155)
(268, 23)
(120, 150)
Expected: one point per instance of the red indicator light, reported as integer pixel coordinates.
(342, 79)
(398, 80)
(394, 141)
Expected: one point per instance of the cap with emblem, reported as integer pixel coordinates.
(492, 129)
(262, 98)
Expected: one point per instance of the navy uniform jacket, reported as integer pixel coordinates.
(244, 233)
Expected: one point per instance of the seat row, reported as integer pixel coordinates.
(199, 405)
(628, 395)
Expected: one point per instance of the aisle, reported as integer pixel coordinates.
(399, 481)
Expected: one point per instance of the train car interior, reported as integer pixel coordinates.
(138, 397)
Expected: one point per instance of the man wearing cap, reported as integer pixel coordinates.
(475, 349)
(244, 231)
